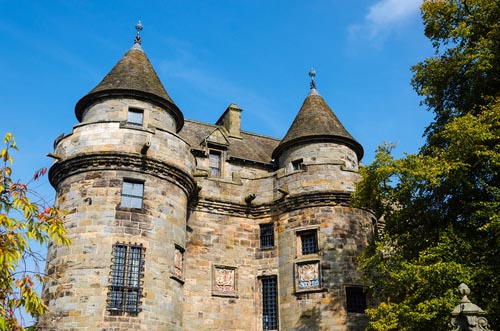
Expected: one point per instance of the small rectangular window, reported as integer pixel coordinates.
(269, 303)
(307, 242)
(135, 116)
(132, 194)
(266, 235)
(297, 165)
(125, 289)
(355, 299)
(214, 162)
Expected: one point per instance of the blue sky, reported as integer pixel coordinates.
(209, 54)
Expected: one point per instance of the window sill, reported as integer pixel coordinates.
(270, 248)
(132, 210)
(310, 290)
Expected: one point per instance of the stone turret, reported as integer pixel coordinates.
(124, 176)
(320, 234)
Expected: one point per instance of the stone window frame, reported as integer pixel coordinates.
(315, 288)
(135, 110)
(124, 298)
(297, 165)
(218, 293)
(272, 230)
(219, 168)
(352, 304)
(299, 233)
(140, 196)
(174, 273)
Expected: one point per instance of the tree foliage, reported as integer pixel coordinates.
(441, 206)
(24, 219)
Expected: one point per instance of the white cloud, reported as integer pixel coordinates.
(383, 17)
(388, 12)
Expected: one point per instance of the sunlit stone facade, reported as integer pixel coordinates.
(181, 225)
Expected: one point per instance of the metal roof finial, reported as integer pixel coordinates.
(138, 27)
(312, 74)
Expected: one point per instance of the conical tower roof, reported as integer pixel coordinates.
(133, 76)
(316, 122)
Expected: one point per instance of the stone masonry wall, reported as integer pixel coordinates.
(79, 274)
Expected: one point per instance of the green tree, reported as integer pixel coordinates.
(441, 206)
(24, 219)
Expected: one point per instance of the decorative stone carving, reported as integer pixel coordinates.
(307, 276)
(224, 281)
(468, 316)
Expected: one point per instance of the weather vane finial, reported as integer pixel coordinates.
(138, 27)
(312, 74)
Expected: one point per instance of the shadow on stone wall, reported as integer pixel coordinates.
(338, 269)
(310, 320)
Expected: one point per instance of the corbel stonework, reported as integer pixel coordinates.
(117, 161)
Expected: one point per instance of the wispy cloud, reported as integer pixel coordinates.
(186, 64)
(384, 17)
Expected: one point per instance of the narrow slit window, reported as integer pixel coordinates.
(266, 235)
(135, 116)
(132, 194)
(125, 289)
(214, 162)
(269, 303)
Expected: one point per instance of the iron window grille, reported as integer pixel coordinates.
(355, 299)
(125, 290)
(266, 235)
(132, 194)
(269, 303)
(214, 163)
(309, 242)
(135, 116)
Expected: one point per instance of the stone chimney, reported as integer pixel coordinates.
(231, 120)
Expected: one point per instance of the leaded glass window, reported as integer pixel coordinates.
(214, 163)
(125, 288)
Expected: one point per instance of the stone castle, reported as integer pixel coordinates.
(181, 225)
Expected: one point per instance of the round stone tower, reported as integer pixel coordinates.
(320, 234)
(124, 176)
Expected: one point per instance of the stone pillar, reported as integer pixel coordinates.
(468, 316)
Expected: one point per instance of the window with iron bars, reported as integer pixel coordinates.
(355, 299)
(269, 303)
(266, 235)
(125, 288)
(307, 242)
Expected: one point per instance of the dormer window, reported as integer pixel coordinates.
(214, 163)
(135, 116)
